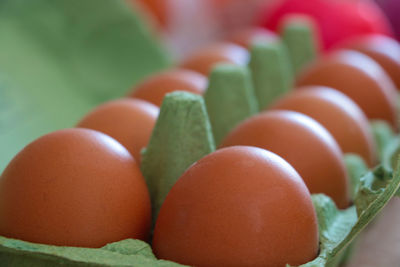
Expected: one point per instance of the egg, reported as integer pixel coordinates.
(246, 37)
(302, 142)
(129, 121)
(359, 77)
(154, 88)
(74, 187)
(238, 206)
(338, 114)
(204, 59)
(384, 50)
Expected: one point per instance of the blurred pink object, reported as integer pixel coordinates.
(185, 25)
(337, 20)
(392, 11)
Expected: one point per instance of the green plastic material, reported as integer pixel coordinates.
(61, 58)
(398, 101)
(59, 37)
(338, 228)
(383, 135)
(229, 99)
(124, 253)
(181, 136)
(390, 156)
(271, 71)
(388, 145)
(356, 168)
(298, 35)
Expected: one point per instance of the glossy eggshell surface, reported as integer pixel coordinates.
(238, 206)
(129, 121)
(74, 187)
(302, 142)
(247, 37)
(338, 114)
(204, 59)
(154, 88)
(384, 50)
(359, 77)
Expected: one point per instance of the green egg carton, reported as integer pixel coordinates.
(337, 228)
(190, 127)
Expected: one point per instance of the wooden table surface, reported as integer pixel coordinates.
(379, 244)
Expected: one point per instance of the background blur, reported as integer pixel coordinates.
(60, 58)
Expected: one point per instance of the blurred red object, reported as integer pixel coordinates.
(186, 25)
(155, 8)
(337, 19)
(392, 11)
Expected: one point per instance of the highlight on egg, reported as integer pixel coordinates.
(129, 121)
(74, 187)
(204, 59)
(156, 86)
(304, 143)
(338, 114)
(235, 207)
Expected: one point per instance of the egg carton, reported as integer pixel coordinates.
(181, 136)
(183, 120)
(189, 127)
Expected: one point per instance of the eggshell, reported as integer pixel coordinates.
(302, 142)
(74, 187)
(154, 88)
(338, 114)
(129, 121)
(238, 206)
(204, 59)
(384, 50)
(246, 37)
(359, 77)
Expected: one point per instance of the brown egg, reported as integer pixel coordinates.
(302, 142)
(238, 206)
(246, 37)
(204, 59)
(358, 77)
(384, 50)
(338, 114)
(74, 187)
(154, 88)
(129, 121)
